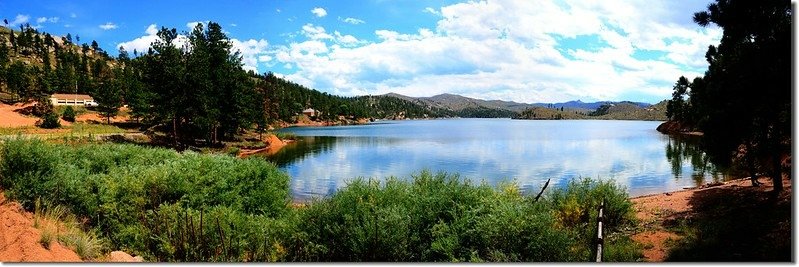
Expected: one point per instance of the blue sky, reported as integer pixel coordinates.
(518, 50)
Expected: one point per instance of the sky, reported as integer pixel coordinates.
(515, 50)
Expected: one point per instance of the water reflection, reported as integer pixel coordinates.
(492, 150)
(687, 149)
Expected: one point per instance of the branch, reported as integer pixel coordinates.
(542, 190)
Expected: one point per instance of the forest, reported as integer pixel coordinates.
(742, 104)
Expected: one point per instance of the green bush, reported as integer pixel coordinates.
(113, 186)
(49, 121)
(68, 114)
(433, 218)
(578, 202)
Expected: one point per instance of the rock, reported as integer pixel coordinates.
(121, 256)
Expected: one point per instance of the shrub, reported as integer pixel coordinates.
(68, 114)
(49, 121)
(432, 218)
(42, 107)
(112, 186)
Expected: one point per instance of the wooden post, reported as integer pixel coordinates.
(600, 240)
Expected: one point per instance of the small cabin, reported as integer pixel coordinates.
(311, 112)
(72, 100)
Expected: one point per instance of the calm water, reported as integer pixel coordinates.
(526, 152)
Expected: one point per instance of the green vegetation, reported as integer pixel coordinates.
(49, 121)
(743, 102)
(168, 206)
(68, 114)
(56, 223)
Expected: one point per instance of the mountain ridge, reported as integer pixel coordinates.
(457, 103)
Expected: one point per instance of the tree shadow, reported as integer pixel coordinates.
(737, 223)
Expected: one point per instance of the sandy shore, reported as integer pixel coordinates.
(654, 210)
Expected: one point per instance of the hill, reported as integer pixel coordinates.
(470, 107)
(612, 111)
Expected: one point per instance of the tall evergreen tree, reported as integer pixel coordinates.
(743, 103)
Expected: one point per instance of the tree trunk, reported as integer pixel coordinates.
(750, 164)
(175, 131)
(776, 172)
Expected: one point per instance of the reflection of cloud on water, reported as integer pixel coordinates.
(635, 161)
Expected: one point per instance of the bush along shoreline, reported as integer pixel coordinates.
(187, 207)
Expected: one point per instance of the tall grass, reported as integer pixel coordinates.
(168, 206)
(55, 222)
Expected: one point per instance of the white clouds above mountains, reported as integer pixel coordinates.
(520, 50)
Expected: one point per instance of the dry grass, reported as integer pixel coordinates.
(56, 223)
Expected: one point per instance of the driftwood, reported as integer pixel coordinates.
(542, 190)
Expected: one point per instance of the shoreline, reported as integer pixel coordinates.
(658, 213)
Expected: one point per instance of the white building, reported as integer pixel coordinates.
(311, 112)
(72, 100)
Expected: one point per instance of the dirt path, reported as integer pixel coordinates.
(653, 211)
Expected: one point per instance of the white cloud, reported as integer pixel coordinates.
(20, 19)
(252, 51)
(73, 15)
(108, 26)
(512, 50)
(354, 21)
(278, 10)
(234, 25)
(431, 11)
(151, 30)
(193, 24)
(264, 58)
(141, 44)
(315, 32)
(41, 20)
(319, 12)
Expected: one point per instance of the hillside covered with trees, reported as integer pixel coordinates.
(611, 111)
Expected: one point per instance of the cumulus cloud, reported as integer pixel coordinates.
(354, 21)
(513, 50)
(252, 52)
(319, 12)
(108, 26)
(20, 19)
(315, 32)
(141, 44)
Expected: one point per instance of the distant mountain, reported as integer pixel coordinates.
(471, 107)
(458, 103)
(589, 105)
(624, 110)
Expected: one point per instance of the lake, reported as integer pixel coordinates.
(526, 152)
